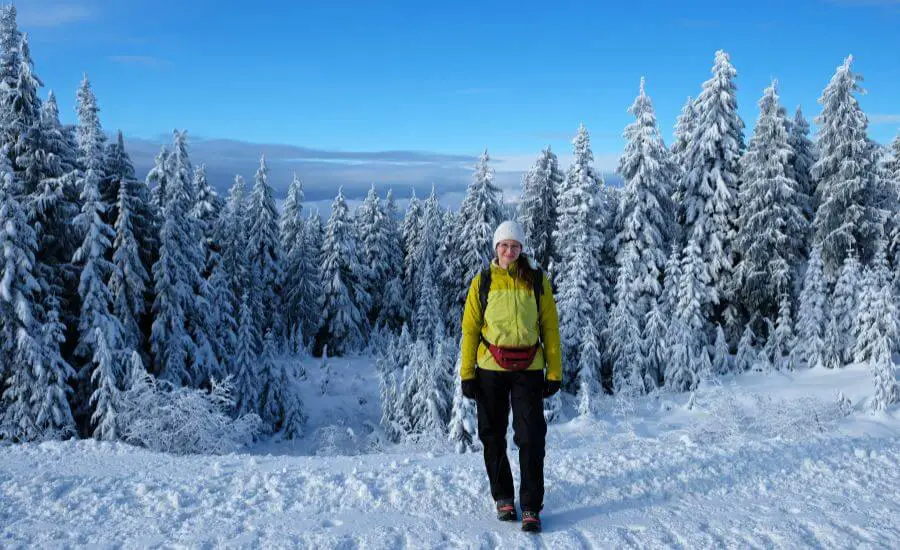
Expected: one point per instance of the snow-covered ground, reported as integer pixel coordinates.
(760, 461)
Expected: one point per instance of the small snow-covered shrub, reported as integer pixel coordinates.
(335, 440)
(181, 420)
(729, 416)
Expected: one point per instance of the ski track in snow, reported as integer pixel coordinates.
(660, 476)
(826, 492)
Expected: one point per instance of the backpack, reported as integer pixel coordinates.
(537, 285)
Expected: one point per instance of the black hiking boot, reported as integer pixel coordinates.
(531, 521)
(506, 510)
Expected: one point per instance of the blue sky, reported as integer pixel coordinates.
(341, 90)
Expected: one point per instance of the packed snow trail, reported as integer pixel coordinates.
(829, 492)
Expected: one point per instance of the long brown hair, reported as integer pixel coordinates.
(524, 271)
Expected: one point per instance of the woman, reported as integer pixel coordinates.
(511, 330)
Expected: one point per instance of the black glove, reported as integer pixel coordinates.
(550, 387)
(470, 388)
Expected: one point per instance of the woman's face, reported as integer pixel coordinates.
(507, 252)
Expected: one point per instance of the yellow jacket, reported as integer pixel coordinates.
(511, 320)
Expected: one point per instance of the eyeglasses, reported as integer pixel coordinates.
(511, 247)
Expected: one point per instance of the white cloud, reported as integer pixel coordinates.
(884, 119)
(605, 162)
(42, 14)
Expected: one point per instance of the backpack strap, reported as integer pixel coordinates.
(483, 288)
(537, 285)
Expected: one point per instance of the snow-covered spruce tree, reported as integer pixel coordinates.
(203, 365)
(876, 315)
(117, 167)
(53, 414)
(624, 347)
(450, 272)
(811, 317)
(877, 331)
(96, 239)
(207, 209)
(294, 415)
(143, 225)
(803, 157)
(428, 321)
(247, 384)
(668, 302)
(831, 347)
(315, 239)
(403, 351)
(290, 223)
(20, 352)
(271, 399)
(844, 303)
(393, 237)
(589, 364)
(370, 227)
(93, 292)
(538, 211)
(646, 209)
(576, 285)
(410, 231)
(299, 273)
(712, 171)
(222, 316)
(693, 283)
(746, 352)
(684, 131)
(393, 310)
(463, 428)
(26, 121)
(88, 133)
(105, 398)
(49, 196)
(771, 228)
(10, 66)
(682, 372)
(846, 218)
(344, 326)
(884, 374)
(892, 183)
(263, 254)
(178, 337)
(158, 179)
(578, 241)
(128, 280)
(654, 345)
(782, 341)
(428, 400)
(231, 235)
(687, 336)
(208, 204)
(388, 389)
(721, 361)
(646, 228)
(431, 232)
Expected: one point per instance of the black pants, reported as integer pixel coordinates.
(525, 390)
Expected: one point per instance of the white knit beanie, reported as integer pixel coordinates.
(509, 231)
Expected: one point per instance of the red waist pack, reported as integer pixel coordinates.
(514, 359)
